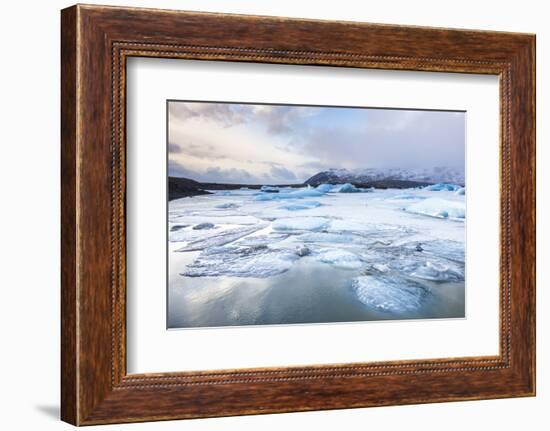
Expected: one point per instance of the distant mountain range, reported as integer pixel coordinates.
(373, 175)
(397, 178)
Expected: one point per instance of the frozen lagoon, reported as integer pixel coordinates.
(313, 255)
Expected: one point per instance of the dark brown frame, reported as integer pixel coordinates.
(95, 42)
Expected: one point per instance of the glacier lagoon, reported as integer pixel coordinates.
(332, 253)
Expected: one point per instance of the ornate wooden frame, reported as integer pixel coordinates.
(95, 42)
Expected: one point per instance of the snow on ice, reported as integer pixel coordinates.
(443, 186)
(339, 258)
(300, 223)
(224, 237)
(390, 294)
(395, 244)
(302, 205)
(442, 208)
(234, 261)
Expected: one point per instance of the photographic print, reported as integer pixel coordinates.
(300, 214)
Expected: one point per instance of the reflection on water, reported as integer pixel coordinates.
(310, 292)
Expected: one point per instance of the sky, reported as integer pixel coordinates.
(286, 144)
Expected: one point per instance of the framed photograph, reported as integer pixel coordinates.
(278, 221)
(263, 214)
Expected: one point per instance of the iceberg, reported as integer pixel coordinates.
(227, 205)
(368, 228)
(339, 258)
(390, 294)
(221, 238)
(296, 194)
(303, 250)
(300, 223)
(440, 208)
(326, 237)
(461, 191)
(256, 240)
(348, 188)
(271, 189)
(442, 186)
(437, 271)
(305, 205)
(324, 188)
(451, 250)
(234, 261)
(437, 261)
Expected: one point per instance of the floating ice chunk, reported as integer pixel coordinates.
(435, 262)
(441, 208)
(188, 234)
(300, 223)
(255, 240)
(407, 196)
(390, 294)
(342, 259)
(452, 250)
(217, 217)
(302, 250)
(448, 249)
(324, 188)
(233, 261)
(296, 194)
(271, 189)
(348, 188)
(348, 225)
(305, 205)
(177, 227)
(202, 226)
(224, 237)
(326, 237)
(227, 205)
(442, 186)
(381, 267)
(437, 271)
(461, 191)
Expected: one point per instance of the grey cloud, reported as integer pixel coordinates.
(201, 149)
(415, 143)
(283, 173)
(224, 113)
(231, 175)
(327, 138)
(176, 169)
(212, 175)
(174, 148)
(282, 119)
(277, 119)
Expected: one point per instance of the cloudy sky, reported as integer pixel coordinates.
(282, 144)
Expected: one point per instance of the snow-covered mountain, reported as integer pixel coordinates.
(363, 176)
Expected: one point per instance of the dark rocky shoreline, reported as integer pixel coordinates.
(179, 187)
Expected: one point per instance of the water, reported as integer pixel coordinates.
(360, 239)
(310, 292)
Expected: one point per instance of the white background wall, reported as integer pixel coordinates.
(29, 228)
